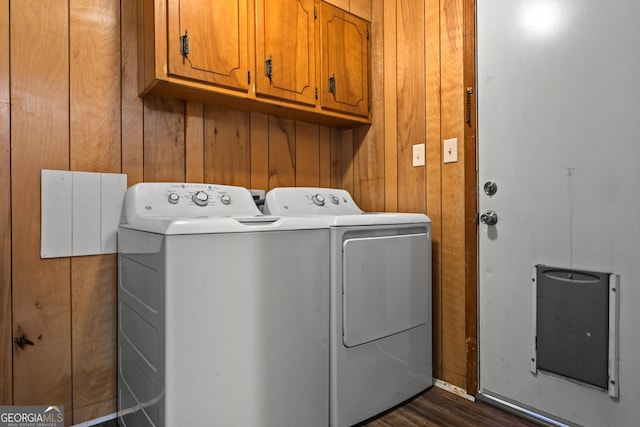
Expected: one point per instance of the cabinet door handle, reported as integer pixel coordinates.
(268, 67)
(184, 44)
(332, 84)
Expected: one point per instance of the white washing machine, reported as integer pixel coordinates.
(223, 312)
(380, 300)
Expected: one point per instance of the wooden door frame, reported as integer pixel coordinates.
(470, 194)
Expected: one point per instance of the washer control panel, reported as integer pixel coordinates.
(310, 201)
(160, 199)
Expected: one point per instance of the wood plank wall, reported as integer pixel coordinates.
(425, 68)
(68, 100)
(6, 343)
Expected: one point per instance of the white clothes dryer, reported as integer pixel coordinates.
(223, 312)
(380, 300)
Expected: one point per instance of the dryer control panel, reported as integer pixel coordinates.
(310, 201)
(165, 199)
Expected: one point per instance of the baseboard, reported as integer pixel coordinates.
(453, 389)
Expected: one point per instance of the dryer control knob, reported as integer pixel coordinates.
(318, 199)
(335, 200)
(225, 199)
(173, 198)
(201, 198)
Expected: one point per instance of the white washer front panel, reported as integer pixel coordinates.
(383, 286)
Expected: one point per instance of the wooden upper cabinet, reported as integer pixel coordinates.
(208, 41)
(344, 57)
(217, 52)
(285, 50)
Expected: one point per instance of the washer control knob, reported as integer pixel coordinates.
(335, 200)
(173, 198)
(318, 199)
(225, 199)
(200, 198)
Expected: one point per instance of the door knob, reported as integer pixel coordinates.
(489, 218)
(490, 188)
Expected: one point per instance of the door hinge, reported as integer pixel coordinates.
(268, 70)
(315, 12)
(368, 106)
(332, 84)
(316, 93)
(249, 77)
(367, 34)
(468, 106)
(184, 44)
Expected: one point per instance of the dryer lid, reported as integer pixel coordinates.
(335, 206)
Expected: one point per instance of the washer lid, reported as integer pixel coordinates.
(216, 225)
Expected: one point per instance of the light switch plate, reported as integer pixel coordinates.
(451, 150)
(418, 155)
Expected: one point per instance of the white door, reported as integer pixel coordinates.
(559, 135)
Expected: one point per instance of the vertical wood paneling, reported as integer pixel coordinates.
(411, 104)
(6, 364)
(346, 159)
(164, 158)
(325, 156)
(259, 151)
(194, 142)
(39, 139)
(282, 153)
(355, 161)
(94, 76)
(369, 140)
(336, 158)
(159, 139)
(453, 237)
(226, 147)
(390, 108)
(132, 107)
(433, 168)
(95, 335)
(307, 155)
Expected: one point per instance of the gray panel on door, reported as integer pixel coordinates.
(572, 324)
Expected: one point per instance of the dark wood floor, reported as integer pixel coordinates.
(437, 407)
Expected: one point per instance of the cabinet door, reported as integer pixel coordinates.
(344, 58)
(285, 50)
(217, 41)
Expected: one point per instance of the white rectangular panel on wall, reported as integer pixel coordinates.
(113, 187)
(86, 230)
(80, 212)
(56, 214)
